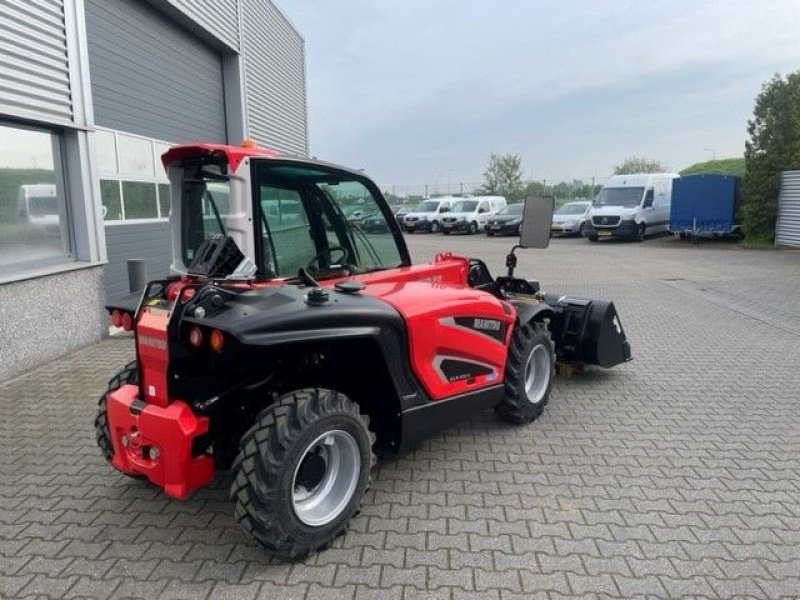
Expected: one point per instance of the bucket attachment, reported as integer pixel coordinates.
(588, 332)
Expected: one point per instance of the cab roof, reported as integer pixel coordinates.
(233, 155)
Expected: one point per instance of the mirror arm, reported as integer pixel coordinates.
(511, 260)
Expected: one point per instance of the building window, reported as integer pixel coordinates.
(133, 184)
(34, 223)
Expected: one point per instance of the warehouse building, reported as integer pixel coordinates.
(91, 93)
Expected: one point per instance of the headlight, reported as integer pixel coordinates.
(514, 221)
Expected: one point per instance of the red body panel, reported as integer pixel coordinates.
(429, 311)
(135, 431)
(153, 354)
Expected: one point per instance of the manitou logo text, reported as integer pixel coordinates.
(154, 342)
(487, 325)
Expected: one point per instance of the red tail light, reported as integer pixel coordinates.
(127, 322)
(116, 318)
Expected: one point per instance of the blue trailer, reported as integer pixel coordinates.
(704, 205)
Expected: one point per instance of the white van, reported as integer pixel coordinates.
(631, 207)
(37, 205)
(427, 216)
(471, 214)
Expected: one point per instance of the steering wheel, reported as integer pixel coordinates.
(314, 264)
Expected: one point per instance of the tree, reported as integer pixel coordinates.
(639, 164)
(503, 176)
(773, 147)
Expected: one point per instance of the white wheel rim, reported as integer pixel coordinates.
(328, 498)
(537, 374)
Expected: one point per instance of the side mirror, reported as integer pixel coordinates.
(537, 216)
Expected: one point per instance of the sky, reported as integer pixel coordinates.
(423, 91)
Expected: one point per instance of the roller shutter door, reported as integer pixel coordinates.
(34, 69)
(151, 77)
(787, 230)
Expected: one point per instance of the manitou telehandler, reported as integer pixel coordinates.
(290, 343)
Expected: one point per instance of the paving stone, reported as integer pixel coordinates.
(641, 481)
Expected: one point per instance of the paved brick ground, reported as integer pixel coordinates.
(677, 474)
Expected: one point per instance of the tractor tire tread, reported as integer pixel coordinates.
(263, 452)
(515, 406)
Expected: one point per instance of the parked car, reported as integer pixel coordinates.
(631, 207)
(428, 215)
(505, 221)
(375, 223)
(570, 219)
(468, 215)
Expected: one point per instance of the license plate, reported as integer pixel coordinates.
(447, 225)
(605, 233)
(495, 227)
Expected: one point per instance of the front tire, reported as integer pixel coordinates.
(530, 368)
(302, 471)
(641, 233)
(473, 228)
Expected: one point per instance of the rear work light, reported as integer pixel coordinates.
(216, 340)
(116, 318)
(196, 337)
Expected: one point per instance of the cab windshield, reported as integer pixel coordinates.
(427, 206)
(465, 206)
(627, 197)
(572, 209)
(511, 209)
(312, 217)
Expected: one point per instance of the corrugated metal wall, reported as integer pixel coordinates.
(221, 20)
(150, 241)
(151, 77)
(34, 69)
(787, 229)
(275, 81)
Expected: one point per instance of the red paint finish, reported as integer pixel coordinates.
(153, 354)
(427, 308)
(233, 155)
(169, 432)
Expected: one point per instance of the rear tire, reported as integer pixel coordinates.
(473, 228)
(302, 471)
(641, 233)
(435, 227)
(128, 375)
(530, 368)
(580, 230)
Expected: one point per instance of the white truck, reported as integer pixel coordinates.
(471, 214)
(631, 207)
(37, 205)
(427, 216)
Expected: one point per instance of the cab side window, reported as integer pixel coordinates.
(648, 199)
(288, 235)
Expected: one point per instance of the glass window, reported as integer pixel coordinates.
(288, 245)
(135, 155)
(321, 219)
(163, 199)
(140, 200)
(106, 152)
(33, 223)
(111, 199)
(204, 204)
